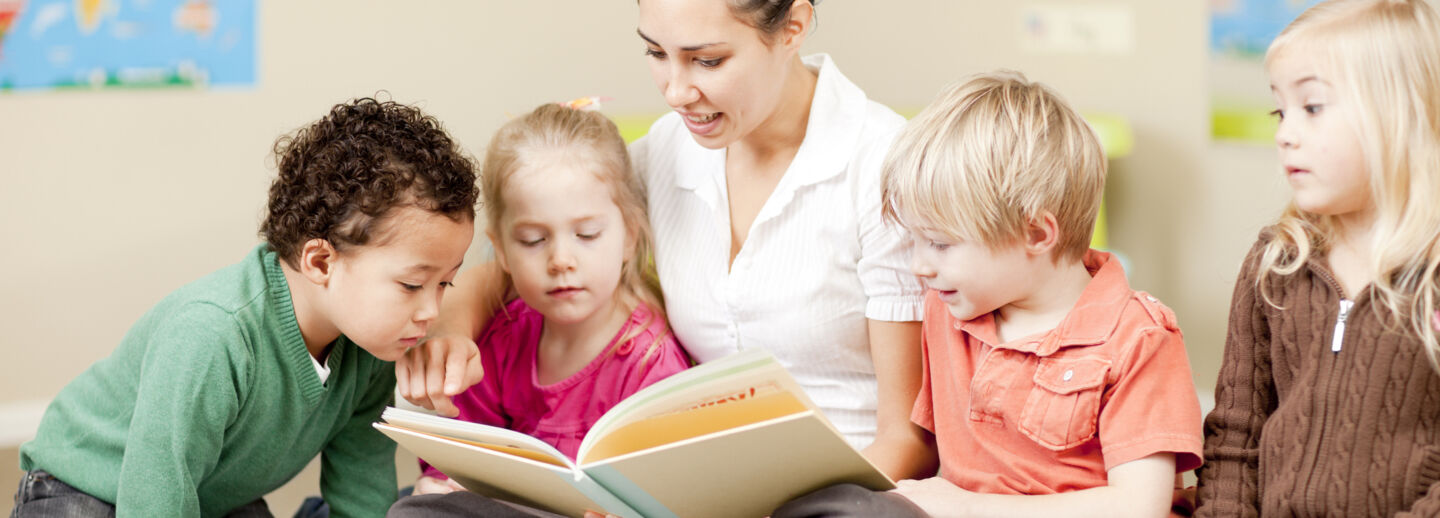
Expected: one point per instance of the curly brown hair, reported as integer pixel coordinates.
(340, 176)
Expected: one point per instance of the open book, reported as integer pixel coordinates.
(734, 437)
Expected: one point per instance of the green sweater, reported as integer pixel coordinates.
(211, 401)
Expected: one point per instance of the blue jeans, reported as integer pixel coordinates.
(41, 495)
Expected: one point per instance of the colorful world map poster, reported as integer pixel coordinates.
(1244, 28)
(69, 44)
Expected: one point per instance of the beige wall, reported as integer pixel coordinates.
(110, 200)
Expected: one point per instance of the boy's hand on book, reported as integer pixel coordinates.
(440, 367)
(432, 486)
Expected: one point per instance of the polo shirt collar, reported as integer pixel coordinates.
(832, 133)
(1091, 322)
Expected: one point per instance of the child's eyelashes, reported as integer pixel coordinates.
(447, 284)
(1310, 109)
(530, 242)
(588, 237)
(411, 287)
(937, 244)
(710, 63)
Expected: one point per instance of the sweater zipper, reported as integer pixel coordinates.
(1339, 337)
(1327, 386)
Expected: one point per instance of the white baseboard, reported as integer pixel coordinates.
(19, 420)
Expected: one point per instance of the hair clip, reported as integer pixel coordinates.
(584, 104)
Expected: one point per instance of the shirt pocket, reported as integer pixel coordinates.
(1063, 408)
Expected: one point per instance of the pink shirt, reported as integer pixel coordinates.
(560, 413)
(1053, 412)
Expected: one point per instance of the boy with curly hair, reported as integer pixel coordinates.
(229, 386)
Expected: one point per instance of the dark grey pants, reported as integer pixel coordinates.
(461, 504)
(44, 496)
(833, 501)
(849, 500)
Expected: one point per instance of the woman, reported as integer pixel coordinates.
(764, 196)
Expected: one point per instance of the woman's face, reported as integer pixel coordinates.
(721, 74)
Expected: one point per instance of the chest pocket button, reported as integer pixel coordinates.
(1063, 408)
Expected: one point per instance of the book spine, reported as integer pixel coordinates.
(621, 486)
(610, 503)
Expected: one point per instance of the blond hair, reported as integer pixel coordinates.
(585, 137)
(1383, 55)
(988, 156)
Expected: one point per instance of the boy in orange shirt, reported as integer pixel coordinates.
(1052, 388)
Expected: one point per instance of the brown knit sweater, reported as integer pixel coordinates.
(1299, 430)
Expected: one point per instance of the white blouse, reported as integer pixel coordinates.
(817, 262)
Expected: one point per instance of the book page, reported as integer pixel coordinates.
(745, 471)
(492, 437)
(748, 374)
(499, 475)
(678, 426)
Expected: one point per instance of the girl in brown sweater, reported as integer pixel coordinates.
(1329, 402)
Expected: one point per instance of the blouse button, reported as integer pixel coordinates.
(956, 325)
(1068, 374)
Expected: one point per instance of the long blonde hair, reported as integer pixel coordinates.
(590, 138)
(1384, 56)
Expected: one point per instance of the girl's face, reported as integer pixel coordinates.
(715, 70)
(1319, 144)
(562, 240)
(383, 296)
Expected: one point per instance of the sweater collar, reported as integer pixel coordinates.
(292, 342)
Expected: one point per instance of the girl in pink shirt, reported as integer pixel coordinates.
(566, 216)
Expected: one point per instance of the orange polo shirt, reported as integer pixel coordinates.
(1052, 412)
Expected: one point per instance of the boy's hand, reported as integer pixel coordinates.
(432, 486)
(935, 495)
(440, 367)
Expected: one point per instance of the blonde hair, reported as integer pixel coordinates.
(990, 154)
(1383, 55)
(585, 137)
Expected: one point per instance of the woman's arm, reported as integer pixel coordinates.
(447, 362)
(1140, 488)
(901, 449)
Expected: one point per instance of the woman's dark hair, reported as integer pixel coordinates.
(340, 176)
(766, 16)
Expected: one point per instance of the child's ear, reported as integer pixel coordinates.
(1042, 234)
(499, 251)
(317, 260)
